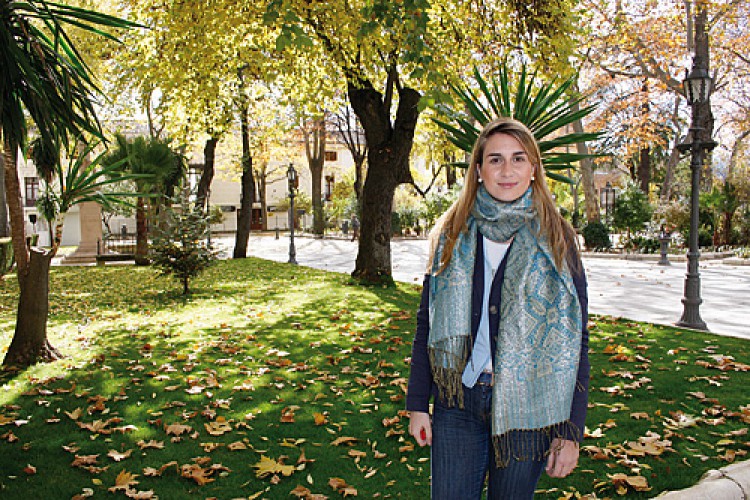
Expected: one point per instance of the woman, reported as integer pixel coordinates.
(501, 342)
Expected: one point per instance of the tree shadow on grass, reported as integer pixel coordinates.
(267, 372)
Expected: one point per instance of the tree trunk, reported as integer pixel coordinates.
(15, 206)
(263, 201)
(644, 155)
(245, 216)
(644, 169)
(141, 233)
(319, 223)
(674, 156)
(389, 147)
(450, 171)
(30, 343)
(3, 205)
(704, 117)
(359, 179)
(591, 201)
(204, 184)
(315, 147)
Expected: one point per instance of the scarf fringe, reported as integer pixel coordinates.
(447, 372)
(535, 445)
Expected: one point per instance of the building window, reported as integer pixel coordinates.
(332, 155)
(32, 190)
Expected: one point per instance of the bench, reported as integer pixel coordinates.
(102, 259)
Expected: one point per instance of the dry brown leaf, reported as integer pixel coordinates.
(197, 473)
(123, 481)
(177, 429)
(75, 414)
(81, 460)
(218, 428)
(320, 418)
(300, 492)
(268, 466)
(349, 441)
(157, 445)
(119, 456)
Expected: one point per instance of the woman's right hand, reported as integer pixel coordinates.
(420, 427)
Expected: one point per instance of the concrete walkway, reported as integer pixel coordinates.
(639, 290)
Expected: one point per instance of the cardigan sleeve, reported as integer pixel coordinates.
(581, 395)
(420, 384)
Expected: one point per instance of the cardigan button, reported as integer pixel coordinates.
(493, 309)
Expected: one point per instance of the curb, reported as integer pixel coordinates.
(728, 483)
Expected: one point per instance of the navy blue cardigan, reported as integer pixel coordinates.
(421, 385)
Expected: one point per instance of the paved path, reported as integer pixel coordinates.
(638, 290)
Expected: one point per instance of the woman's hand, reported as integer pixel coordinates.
(563, 457)
(420, 427)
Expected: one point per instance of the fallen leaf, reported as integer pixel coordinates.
(119, 456)
(123, 481)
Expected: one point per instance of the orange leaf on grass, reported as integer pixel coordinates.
(123, 481)
(82, 460)
(300, 492)
(349, 441)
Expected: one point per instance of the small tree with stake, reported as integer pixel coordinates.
(179, 246)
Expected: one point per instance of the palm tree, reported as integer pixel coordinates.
(159, 169)
(544, 107)
(44, 79)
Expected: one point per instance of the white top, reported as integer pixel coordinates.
(493, 256)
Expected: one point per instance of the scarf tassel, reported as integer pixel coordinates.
(446, 378)
(534, 444)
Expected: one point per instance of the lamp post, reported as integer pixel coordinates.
(607, 199)
(697, 87)
(291, 177)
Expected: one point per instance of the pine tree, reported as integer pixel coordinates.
(180, 245)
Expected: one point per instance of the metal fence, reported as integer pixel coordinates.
(122, 244)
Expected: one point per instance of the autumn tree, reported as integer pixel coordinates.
(389, 54)
(638, 53)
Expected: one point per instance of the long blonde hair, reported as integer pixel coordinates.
(559, 233)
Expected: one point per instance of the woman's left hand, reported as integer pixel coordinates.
(563, 457)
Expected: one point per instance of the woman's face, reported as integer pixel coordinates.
(505, 170)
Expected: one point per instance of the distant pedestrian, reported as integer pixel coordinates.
(345, 227)
(355, 227)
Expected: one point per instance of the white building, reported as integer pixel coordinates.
(225, 193)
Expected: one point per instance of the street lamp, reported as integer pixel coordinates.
(291, 177)
(607, 198)
(697, 86)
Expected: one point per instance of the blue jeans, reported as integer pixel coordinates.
(463, 454)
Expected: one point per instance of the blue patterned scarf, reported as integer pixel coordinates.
(539, 338)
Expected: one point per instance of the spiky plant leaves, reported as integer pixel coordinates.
(546, 108)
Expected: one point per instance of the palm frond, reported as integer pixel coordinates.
(546, 108)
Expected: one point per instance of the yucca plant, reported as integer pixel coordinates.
(45, 80)
(546, 108)
(81, 181)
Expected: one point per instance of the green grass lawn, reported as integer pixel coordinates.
(273, 380)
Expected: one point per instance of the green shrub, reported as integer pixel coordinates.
(643, 244)
(596, 236)
(179, 246)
